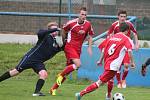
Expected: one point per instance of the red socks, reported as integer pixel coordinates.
(88, 89)
(110, 86)
(118, 77)
(68, 69)
(125, 73)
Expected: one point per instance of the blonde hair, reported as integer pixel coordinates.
(83, 8)
(51, 24)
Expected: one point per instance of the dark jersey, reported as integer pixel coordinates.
(45, 48)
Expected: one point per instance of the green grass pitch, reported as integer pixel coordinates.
(21, 87)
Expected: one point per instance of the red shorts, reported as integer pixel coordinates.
(126, 59)
(71, 53)
(107, 75)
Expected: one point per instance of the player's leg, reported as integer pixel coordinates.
(118, 77)
(110, 85)
(88, 89)
(8, 74)
(40, 69)
(126, 63)
(76, 64)
(124, 75)
(55, 86)
(73, 62)
(70, 68)
(61, 78)
(19, 68)
(105, 77)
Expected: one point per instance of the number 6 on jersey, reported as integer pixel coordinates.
(111, 49)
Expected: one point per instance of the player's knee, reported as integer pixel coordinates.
(78, 64)
(126, 69)
(118, 71)
(43, 74)
(112, 80)
(99, 82)
(75, 67)
(126, 66)
(13, 72)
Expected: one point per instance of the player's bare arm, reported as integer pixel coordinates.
(135, 34)
(136, 41)
(132, 60)
(99, 62)
(90, 45)
(64, 35)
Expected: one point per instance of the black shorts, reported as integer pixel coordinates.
(27, 63)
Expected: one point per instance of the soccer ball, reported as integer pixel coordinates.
(118, 96)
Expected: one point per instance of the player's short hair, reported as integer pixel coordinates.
(122, 12)
(51, 24)
(83, 8)
(124, 27)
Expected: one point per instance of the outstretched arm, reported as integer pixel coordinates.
(42, 33)
(64, 35)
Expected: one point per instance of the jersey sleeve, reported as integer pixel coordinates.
(132, 28)
(110, 30)
(129, 44)
(91, 31)
(66, 26)
(102, 45)
(42, 33)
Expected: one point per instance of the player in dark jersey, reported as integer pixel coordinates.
(143, 69)
(45, 48)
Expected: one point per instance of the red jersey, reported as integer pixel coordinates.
(77, 33)
(115, 28)
(114, 50)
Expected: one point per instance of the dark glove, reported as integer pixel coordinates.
(143, 70)
(53, 30)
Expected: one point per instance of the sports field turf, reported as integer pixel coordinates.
(21, 87)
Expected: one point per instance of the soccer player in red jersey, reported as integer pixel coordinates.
(122, 16)
(76, 31)
(114, 49)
